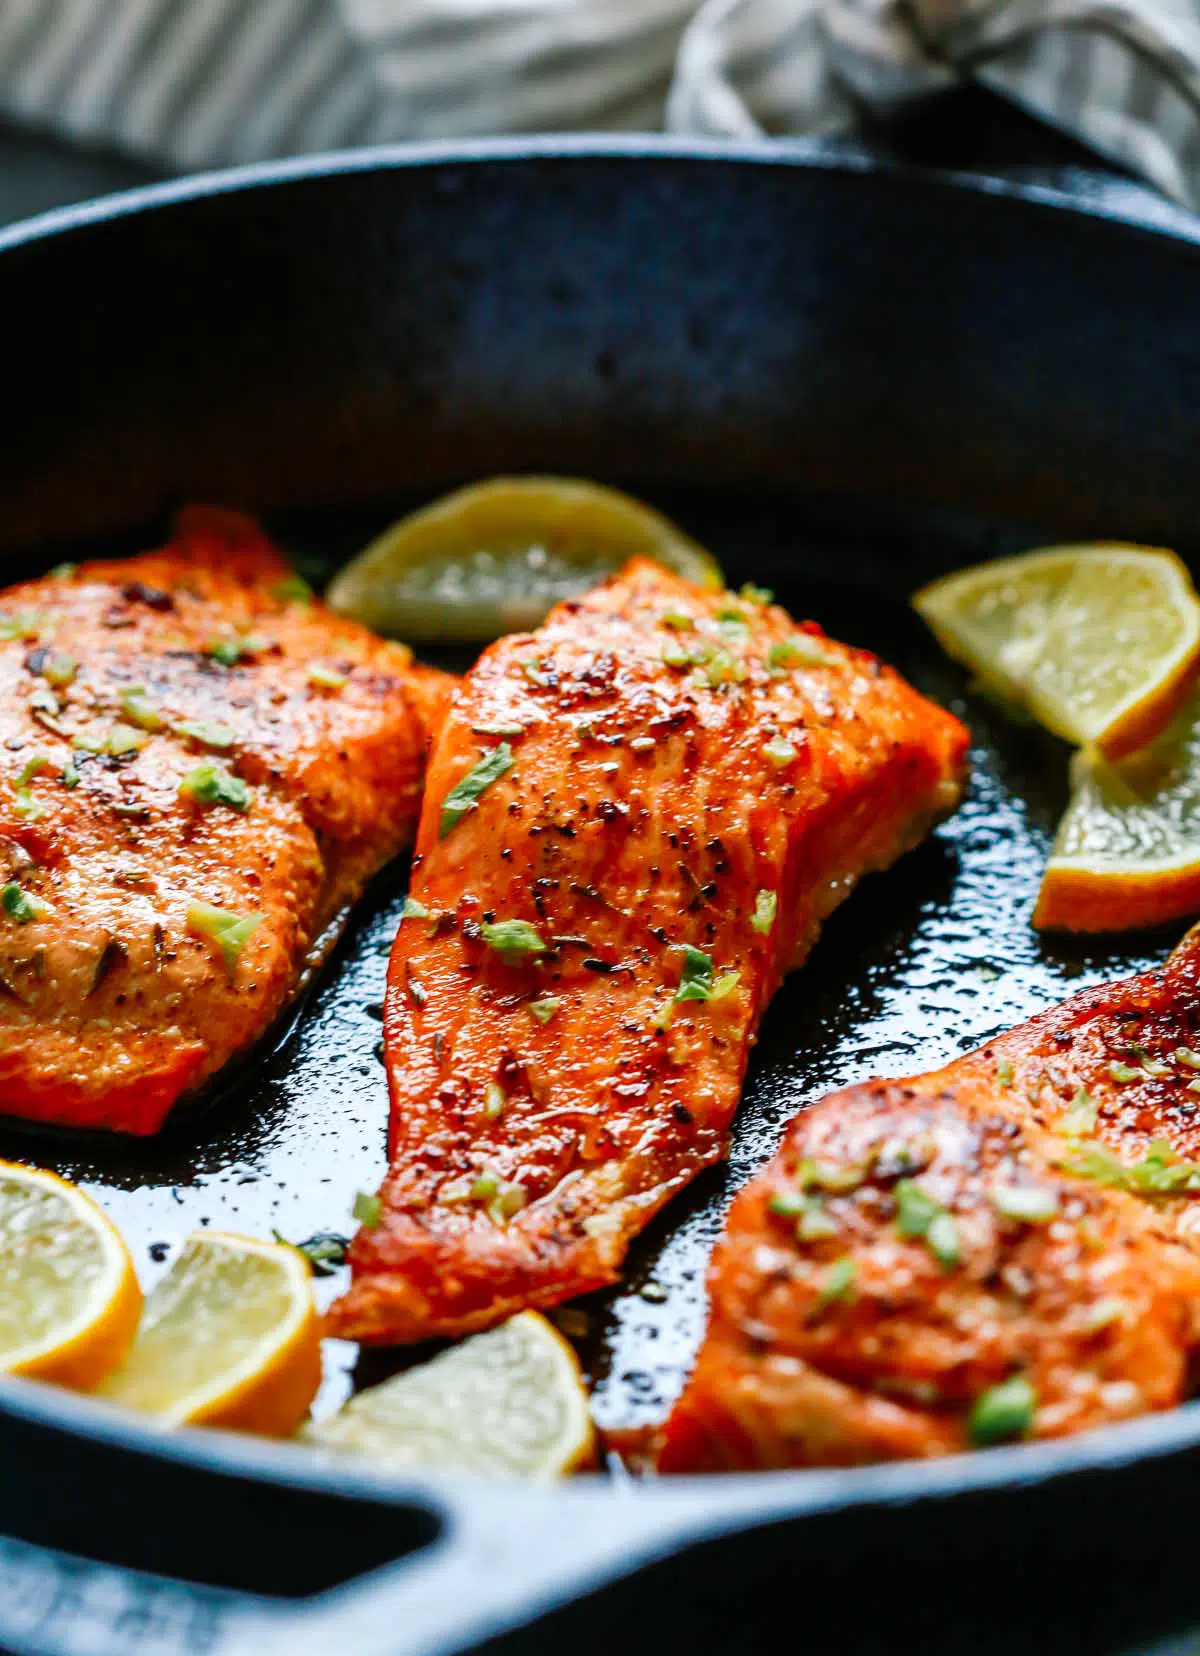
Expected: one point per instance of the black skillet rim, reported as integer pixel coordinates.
(727, 1500)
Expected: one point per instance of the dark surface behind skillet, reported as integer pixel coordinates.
(1007, 374)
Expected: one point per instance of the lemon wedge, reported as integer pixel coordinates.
(1127, 852)
(495, 557)
(69, 1299)
(1099, 642)
(506, 1404)
(229, 1337)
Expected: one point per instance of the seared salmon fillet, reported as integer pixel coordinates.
(635, 821)
(1003, 1247)
(199, 770)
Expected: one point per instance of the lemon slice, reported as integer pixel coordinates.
(506, 1404)
(69, 1299)
(1127, 852)
(1098, 642)
(229, 1337)
(493, 558)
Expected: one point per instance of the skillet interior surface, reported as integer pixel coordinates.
(922, 963)
(875, 376)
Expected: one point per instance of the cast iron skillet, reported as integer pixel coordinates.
(844, 378)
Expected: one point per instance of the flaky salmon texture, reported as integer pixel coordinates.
(635, 822)
(199, 770)
(1005, 1247)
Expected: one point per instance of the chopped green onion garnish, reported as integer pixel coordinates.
(208, 732)
(64, 571)
(368, 1210)
(229, 931)
(503, 1197)
(1159, 1173)
(32, 767)
(814, 1224)
(139, 711)
(918, 1214)
(915, 1209)
(26, 807)
(229, 651)
(327, 678)
(465, 794)
(211, 784)
(696, 975)
(123, 738)
(1122, 1072)
(1080, 1119)
(756, 594)
(324, 1252)
(828, 1175)
(293, 589)
(800, 650)
(1188, 1057)
(413, 910)
(765, 906)
(788, 1204)
(779, 751)
(680, 620)
(545, 1008)
(1004, 1071)
(675, 655)
(25, 625)
(508, 1200)
(59, 669)
(838, 1282)
(70, 773)
(1002, 1412)
(515, 941)
(23, 906)
(1029, 1204)
(943, 1241)
(494, 1101)
(723, 668)
(724, 986)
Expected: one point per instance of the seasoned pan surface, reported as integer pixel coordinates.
(924, 961)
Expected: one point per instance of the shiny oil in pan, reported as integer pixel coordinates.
(920, 964)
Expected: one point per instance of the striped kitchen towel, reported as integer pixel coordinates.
(200, 83)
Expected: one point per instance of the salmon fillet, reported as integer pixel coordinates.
(199, 770)
(1023, 1219)
(635, 821)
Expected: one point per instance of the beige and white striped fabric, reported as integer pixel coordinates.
(201, 83)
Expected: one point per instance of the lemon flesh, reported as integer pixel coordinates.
(1139, 813)
(495, 557)
(1098, 642)
(69, 1299)
(505, 1404)
(1127, 851)
(228, 1337)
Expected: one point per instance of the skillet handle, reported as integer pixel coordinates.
(503, 1556)
(506, 1555)
(56, 1604)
